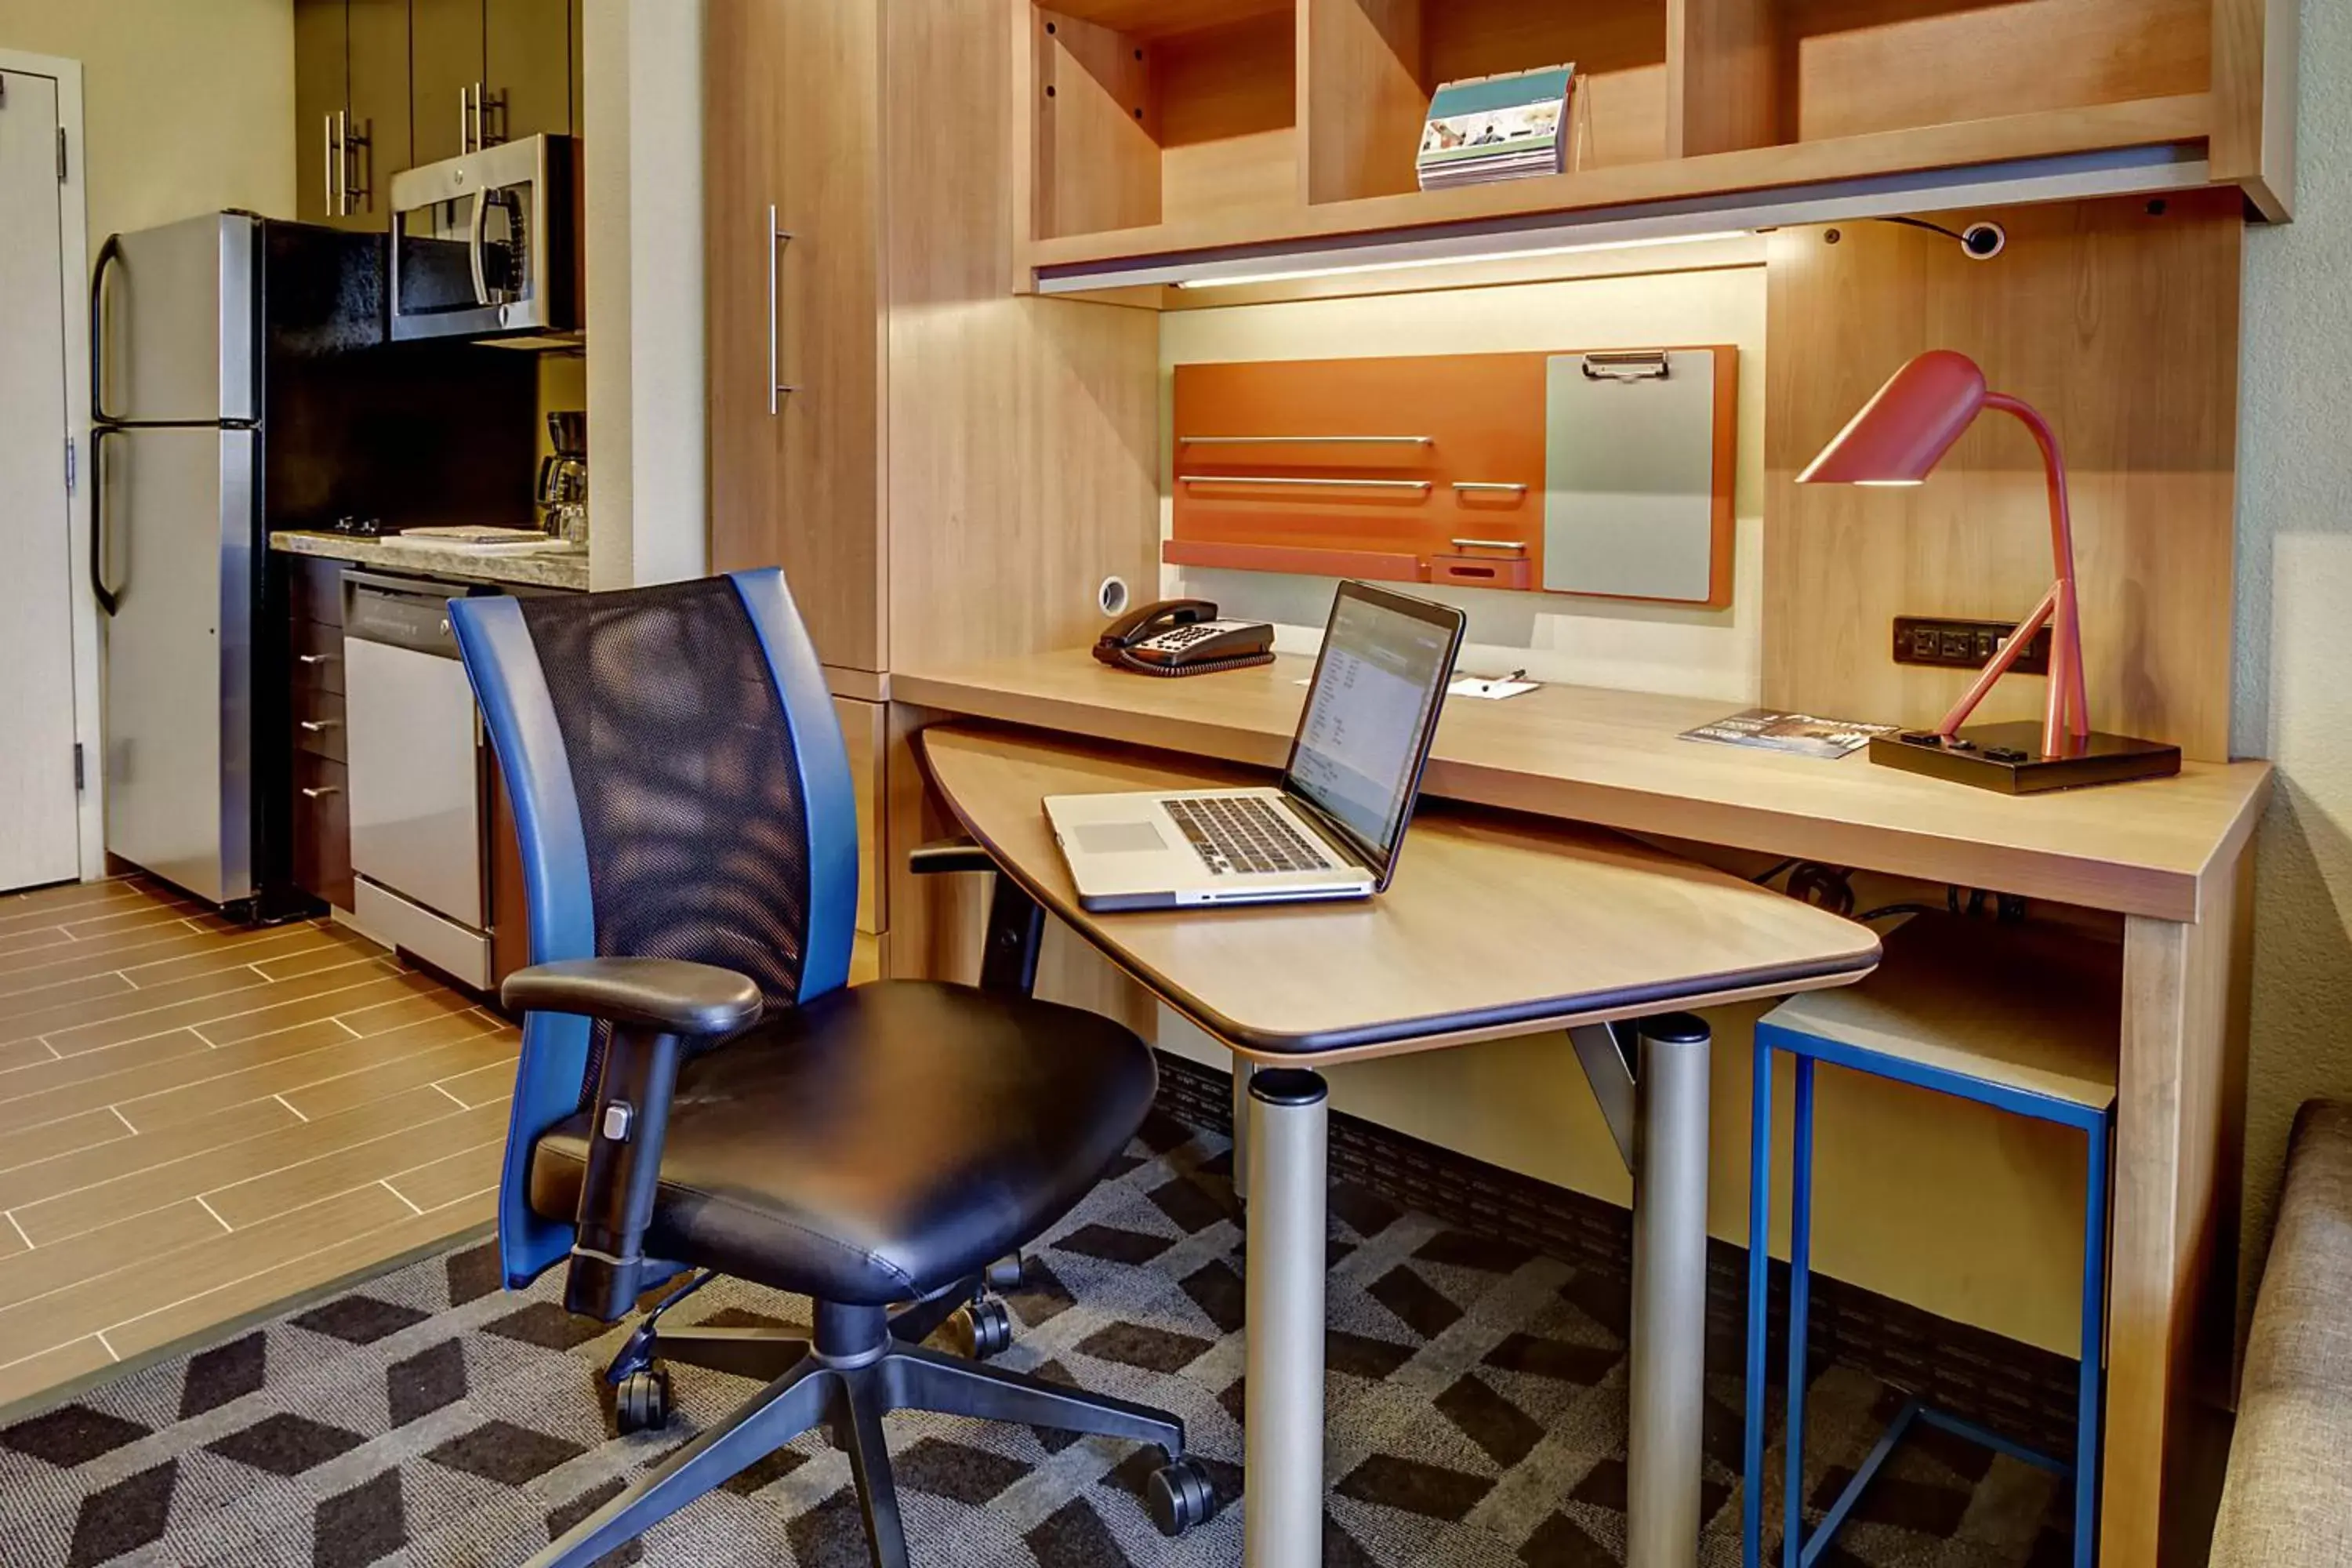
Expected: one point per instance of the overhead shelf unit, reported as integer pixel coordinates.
(1193, 142)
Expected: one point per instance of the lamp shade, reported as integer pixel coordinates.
(1904, 431)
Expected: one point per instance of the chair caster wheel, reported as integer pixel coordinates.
(1178, 1497)
(980, 1329)
(641, 1402)
(1005, 1274)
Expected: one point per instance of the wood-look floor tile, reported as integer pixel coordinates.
(430, 1000)
(411, 1130)
(50, 1091)
(25, 1053)
(123, 1178)
(36, 1374)
(44, 1000)
(160, 1278)
(450, 1047)
(372, 984)
(146, 919)
(484, 1084)
(122, 1001)
(287, 1144)
(45, 903)
(469, 1173)
(26, 940)
(100, 955)
(233, 951)
(207, 999)
(342, 945)
(83, 1134)
(365, 1252)
(287, 1063)
(136, 1244)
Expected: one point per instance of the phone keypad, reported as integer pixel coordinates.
(1185, 636)
(1243, 833)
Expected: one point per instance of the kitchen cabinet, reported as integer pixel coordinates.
(322, 824)
(492, 70)
(351, 108)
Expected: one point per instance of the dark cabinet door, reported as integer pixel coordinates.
(528, 67)
(379, 105)
(445, 49)
(321, 75)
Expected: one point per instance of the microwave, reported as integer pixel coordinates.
(487, 245)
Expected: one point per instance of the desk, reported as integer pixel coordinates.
(2172, 857)
(1629, 932)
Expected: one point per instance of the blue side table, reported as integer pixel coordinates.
(2024, 1018)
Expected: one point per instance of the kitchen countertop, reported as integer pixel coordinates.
(565, 568)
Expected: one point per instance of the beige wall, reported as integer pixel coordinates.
(188, 104)
(2294, 699)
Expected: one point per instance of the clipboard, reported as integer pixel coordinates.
(1636, 482)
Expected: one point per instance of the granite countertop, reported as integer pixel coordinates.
(563, 568)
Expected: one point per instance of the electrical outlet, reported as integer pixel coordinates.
(1964, 645)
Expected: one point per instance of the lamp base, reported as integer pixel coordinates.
(2008, 758)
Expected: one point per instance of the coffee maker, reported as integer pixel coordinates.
(563, 477)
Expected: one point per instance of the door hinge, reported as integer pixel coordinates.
(71, 465)
(62, 154)
(78, 783)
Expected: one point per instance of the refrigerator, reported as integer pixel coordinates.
(243, 381)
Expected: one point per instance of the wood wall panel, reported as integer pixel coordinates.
(2121, 326)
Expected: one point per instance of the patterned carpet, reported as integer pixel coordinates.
(1476, 1414)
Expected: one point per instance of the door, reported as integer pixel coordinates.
(446, 45)
(380, 105)
(527, 66)
(177, 343)
(322, 75)
(38, 841)
(792, 186)
(350, 108)
(176, 525)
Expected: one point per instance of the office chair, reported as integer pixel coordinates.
(700, 1092)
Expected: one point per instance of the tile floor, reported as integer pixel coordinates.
(199, 1121)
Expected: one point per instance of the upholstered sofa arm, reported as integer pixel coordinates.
(654, 1005)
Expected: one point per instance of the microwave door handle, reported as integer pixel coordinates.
(476, 233)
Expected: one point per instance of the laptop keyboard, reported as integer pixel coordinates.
(1244, 833)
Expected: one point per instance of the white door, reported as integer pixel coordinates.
(38, 827)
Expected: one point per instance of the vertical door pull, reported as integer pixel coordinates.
(777, 387)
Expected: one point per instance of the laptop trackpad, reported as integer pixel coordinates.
(1118, 838)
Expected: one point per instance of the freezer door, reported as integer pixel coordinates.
(175, 323)
(177, 536)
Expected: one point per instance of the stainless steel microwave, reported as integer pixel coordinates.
(487, 245)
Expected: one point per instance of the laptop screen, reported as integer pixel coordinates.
(1370, 713)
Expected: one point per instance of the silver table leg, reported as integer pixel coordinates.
(1667, 1387)
(1282, 1423)
(1242, 1072)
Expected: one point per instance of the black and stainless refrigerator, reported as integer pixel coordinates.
(243, 381)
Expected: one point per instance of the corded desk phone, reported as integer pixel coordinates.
(1184, 637)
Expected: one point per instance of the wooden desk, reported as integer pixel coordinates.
(2173, 857)
(1442, 958)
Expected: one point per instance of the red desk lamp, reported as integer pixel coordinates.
(1899, 437)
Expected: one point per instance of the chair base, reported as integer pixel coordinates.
(845, 1377)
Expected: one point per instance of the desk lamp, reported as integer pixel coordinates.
(1897, 439)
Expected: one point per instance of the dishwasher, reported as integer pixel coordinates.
(416, 776)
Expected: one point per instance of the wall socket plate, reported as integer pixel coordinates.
(1951, 643)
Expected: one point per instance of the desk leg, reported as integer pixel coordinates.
(1242, 1072)
(1282, 1419)
(1667, 1392)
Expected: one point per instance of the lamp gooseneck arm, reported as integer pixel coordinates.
(2068, 712)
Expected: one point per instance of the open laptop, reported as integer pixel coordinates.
(1333, 826)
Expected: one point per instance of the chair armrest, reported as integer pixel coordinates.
(654, 1005)
(948, 855)
(668, 995)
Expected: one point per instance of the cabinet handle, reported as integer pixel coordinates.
(315, 791)
(464, 120)
(1488, 545)
(314, 658)
(1498, 486)
(320, 726)
(326, 165)
(1318, 484)
(1306, 440)
(778, 388)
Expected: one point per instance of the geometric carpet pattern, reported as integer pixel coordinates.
(428, 1419)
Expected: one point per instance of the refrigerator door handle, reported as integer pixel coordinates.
(107, 254)
(108, 598)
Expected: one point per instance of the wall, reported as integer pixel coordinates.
(1595, 642)
(643, 64)
(1967, 1213)
(188, 104)
(2294, 704)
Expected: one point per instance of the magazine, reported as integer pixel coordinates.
(1772, 729)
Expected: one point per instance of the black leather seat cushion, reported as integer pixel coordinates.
(882, 1142)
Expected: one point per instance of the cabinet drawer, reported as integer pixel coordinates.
(323, 830)
(318, 723)
(861, 733)
(314, 589)
(318, 651)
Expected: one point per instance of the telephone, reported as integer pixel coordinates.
(1184, 637)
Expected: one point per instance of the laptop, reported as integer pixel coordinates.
(1332, 828)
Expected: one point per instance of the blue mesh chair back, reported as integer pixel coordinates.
(680, 791)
